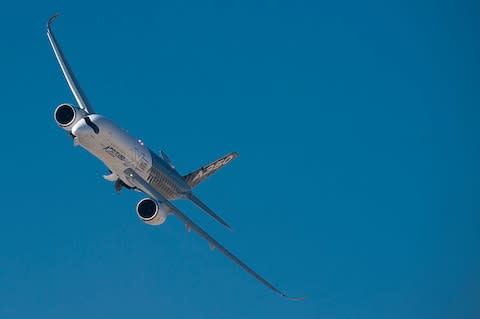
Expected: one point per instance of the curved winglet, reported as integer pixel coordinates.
(294, 299)
(50, 21)
(67, 71)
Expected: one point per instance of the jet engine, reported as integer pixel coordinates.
(66, 115)
(151, 212)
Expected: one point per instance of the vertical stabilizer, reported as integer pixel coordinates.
(198, 176)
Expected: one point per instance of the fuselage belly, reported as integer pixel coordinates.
(118, 150)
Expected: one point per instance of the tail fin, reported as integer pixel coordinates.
(198, 176)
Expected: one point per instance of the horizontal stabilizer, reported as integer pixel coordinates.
(196, 177)
(205, 208)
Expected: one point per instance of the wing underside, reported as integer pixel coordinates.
(141, 184)
(77, 91)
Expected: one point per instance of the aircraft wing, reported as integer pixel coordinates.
(141, 184)
(67, 71)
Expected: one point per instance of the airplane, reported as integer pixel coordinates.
(132, 165)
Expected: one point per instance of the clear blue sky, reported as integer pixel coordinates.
(357, 182)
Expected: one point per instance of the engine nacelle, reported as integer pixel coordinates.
(151, 212)
(67, 115)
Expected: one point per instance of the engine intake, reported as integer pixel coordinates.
(151, 212)
(66, 115)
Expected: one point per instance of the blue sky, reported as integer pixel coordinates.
(357, 182)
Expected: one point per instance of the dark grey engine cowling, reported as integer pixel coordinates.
(151, 212)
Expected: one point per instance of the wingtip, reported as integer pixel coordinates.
(293, 298)
(284, 295)
(52, 18)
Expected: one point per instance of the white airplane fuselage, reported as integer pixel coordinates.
(118, 150)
